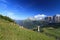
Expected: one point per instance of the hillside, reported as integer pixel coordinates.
(12, 31)
(52, 32)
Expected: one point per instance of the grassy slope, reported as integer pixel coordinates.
(11, 31)
(53, 32)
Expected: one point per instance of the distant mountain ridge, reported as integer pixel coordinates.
(32, 23)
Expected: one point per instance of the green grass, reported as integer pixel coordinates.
(11, 31)
(53, 32)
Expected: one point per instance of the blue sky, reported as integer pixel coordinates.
(22, 9)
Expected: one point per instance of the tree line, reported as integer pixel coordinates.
(6, 18)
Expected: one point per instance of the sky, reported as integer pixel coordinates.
(22, 9)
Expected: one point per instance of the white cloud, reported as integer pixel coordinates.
(12, 15)
(57, 14)
(31, 18)
(38, 17)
